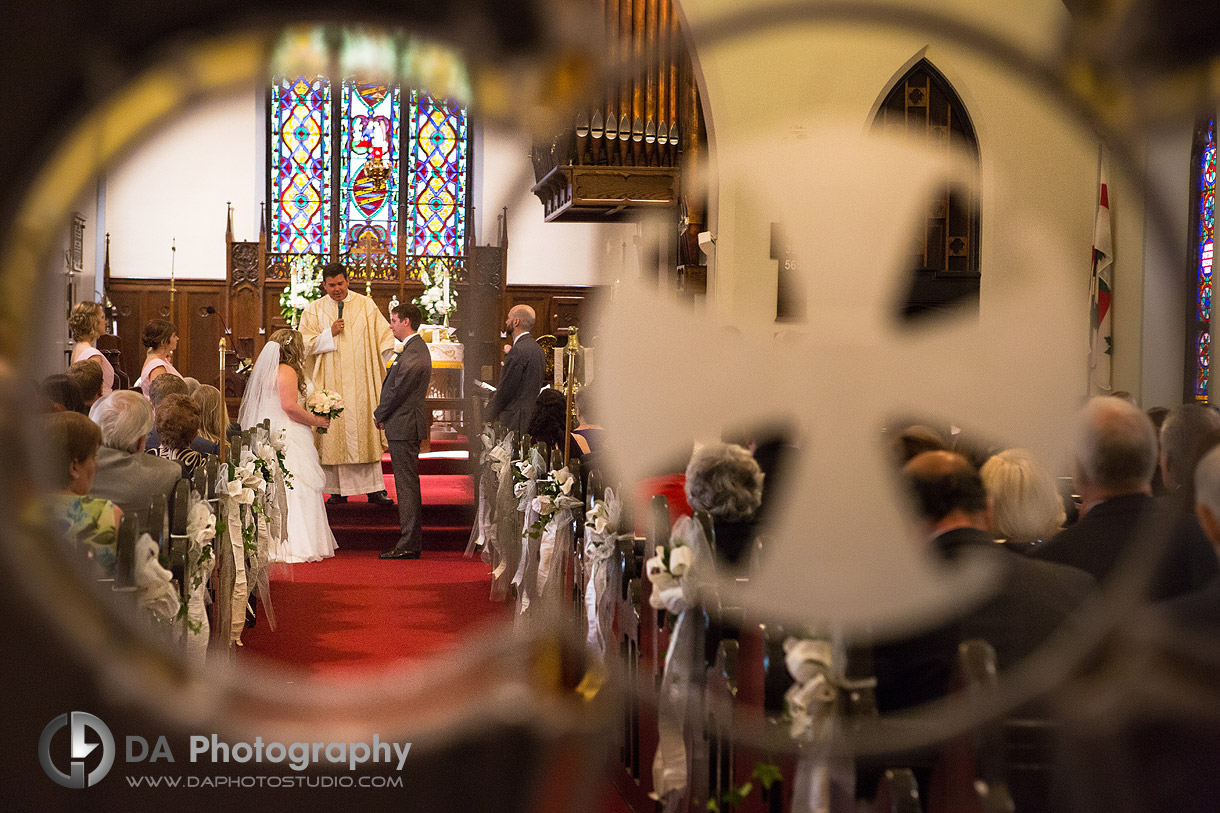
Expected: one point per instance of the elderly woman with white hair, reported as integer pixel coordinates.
(724, 480)
(1026, 508)
(125, 475)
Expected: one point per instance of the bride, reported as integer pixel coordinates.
(275, 390)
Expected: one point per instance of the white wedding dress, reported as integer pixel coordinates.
(309, 536)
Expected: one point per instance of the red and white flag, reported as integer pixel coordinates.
(1101, 337)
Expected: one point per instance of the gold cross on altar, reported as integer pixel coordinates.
(363, 258)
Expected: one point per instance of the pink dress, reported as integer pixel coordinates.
(150, 365)
(92, 352)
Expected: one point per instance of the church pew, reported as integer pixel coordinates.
(179, 543)
(634, 624)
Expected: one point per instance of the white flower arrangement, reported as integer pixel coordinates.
(304, 286)
(553, 492)
(666, 570)
(437, 300)
(604, 517)
(325, 403)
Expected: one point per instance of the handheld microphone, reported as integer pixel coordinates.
(341, 310)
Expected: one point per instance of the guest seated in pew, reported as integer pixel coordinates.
(1033, 598)
(589, 436)
(1200, 610)
(915, 440)
(1177, 749)
(161, 339)
(1115, 457)
(726, 482)
(62, 394)
(1026, 508)
(548, 423)
(177, 422)
(159, 390)
(1187, 434)
(213, 417)
(88, 522)
(88, 379)
(87, 322)
(125, 474)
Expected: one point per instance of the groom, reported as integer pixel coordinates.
(404, 417)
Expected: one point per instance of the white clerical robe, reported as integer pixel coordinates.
(353, 365)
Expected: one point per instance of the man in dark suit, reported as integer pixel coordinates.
(1031, 601)
(1116, 455)
(523, 376)
(403, 414)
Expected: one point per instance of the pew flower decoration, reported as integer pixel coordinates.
(810, 700)
(523, 472)
(603, 517)
(554, 492)
(601, 578)
(665, 570)
(325, 403)
(200, 531)
(280, 447)
(500, 456)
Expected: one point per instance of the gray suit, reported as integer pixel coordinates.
(522, 379)
(131, 480)
(405, 415)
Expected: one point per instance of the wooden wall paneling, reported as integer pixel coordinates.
(565, 312)
(140, 300)
(128, 306)
(199, 334)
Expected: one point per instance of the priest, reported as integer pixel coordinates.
(349, 342)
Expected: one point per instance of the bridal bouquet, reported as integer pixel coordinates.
(325, 403)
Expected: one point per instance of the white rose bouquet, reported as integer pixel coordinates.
(325, 403)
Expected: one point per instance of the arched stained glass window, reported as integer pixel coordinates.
(300, 165)
(395, 131)
(437, 184)
(1199, 336)
(371, 120)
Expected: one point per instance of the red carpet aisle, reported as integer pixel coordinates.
(355, 613)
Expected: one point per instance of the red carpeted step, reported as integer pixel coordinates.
(443, 462)
(448, 513)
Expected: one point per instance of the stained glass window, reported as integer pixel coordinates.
(1203, 281)
(393, 132)
(300, 122)
(437, 182)
(369, 140)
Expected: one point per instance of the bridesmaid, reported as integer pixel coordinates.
(88, 321)
(161, 339)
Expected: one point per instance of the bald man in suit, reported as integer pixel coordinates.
(523, 376)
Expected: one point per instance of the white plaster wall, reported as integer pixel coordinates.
(1166, 295)
(541, 253)
(175, 187)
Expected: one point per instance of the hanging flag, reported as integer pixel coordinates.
(1101, 337)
